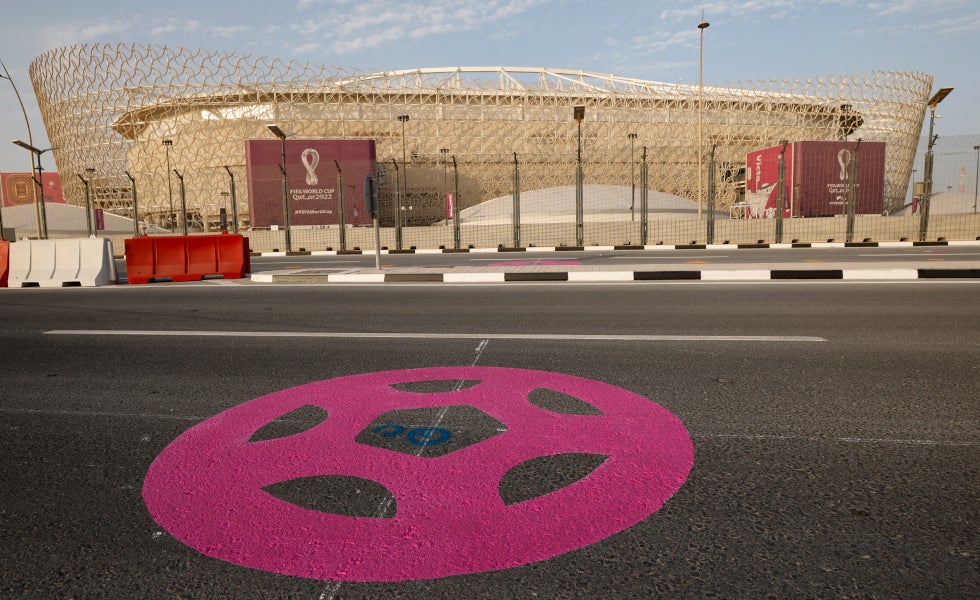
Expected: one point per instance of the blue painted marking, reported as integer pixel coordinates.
(389, 430)
(429, 436)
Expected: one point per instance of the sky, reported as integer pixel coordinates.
(747, 40)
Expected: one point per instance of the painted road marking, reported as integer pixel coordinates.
(446, 336)
(915, 254)
(208, 487)
(658, 258)
(534, 263)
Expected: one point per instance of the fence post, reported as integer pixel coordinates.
(398, 208)
(517, 204)
(183, 204)
(852, 192)
(234, 202)
(88, 206)
(643, 198)
(711, 197)
(136, 216)
(456, 238)
(781, 192)
(579, 112)
(340, 207)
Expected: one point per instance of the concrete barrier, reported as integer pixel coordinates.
(186, 258)
(4, 262)
(86, 262)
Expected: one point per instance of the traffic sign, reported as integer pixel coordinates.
(371, 194)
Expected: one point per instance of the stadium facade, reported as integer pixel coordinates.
(138, 113)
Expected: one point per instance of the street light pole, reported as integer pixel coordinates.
(701, 26)
(42, 226)
(282, 135)
(42, 230)
(927, 177)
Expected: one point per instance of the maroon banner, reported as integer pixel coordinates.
(817, 179)
(821, 179)
(312, 178)
(17, 189)
(762, 183)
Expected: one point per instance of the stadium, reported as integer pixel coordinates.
(172, 124)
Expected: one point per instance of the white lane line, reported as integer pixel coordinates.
(698, 256)
(917, 253)
(293, 262)
(848, 440)
(445, 336)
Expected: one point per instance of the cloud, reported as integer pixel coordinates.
(65, 34)
(173, 26)
(229, 31)
(371, 23)
(914, 7)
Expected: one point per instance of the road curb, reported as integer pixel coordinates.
(882, 274)
(757, 246)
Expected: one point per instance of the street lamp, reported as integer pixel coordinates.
(976, 179)
(282, 135)
(632, 137)
(927, 178)
(701, 26)
(404, 119)
(170, 188)
(42, 228)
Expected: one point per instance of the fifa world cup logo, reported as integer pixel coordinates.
(310, 158)
(843, 159)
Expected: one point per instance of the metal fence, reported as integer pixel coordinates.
(437, 206)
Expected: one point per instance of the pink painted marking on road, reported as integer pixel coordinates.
(533, 263)
(206, 488)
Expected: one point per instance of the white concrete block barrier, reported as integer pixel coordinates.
(86, 262)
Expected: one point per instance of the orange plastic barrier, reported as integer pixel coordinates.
(187, 258)
(4, 262)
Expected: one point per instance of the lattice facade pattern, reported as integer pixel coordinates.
(111, 107)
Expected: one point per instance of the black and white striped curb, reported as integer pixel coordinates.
(530, 249)
(883, 274)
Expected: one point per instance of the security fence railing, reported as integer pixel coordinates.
(443, 206)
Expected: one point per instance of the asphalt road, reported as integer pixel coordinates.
(833, 427)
